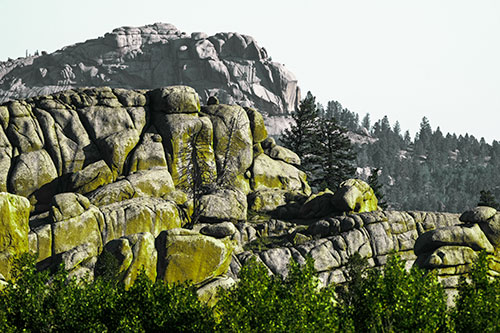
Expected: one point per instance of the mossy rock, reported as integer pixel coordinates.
(175, 99)
(190, 256)
(355, 196)
(272, 174)
(233, 143)
(265, 201)
(259, 130)
(188, 142)
(14, 228)
(449, 256)
(283, 154)
(223, 205)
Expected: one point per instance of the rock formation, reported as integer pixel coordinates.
(104, 178)
(111, 171)
(232, 66)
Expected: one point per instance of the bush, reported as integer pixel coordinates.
(478, 301)
(264, 303)
(36, 301)
(372, 300)
(392, 300)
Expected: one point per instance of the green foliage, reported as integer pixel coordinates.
(153, 307)
(391, 299)
(478, 302)
(264, 303)
(486, 198)
(321, 143)
(298, 136)
(394, 300)
(377, 187)
(36, 301)
(333, 155)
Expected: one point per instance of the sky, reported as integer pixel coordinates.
(402, 58)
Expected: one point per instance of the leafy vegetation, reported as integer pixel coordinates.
(371, 300)
(394, 300)
(264, 303)
(478, 302)
(37, 301)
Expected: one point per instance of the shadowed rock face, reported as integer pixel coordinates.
(232, 66)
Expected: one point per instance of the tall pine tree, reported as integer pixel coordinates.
(298, 137)
(325, 150)
(377, 187)
(334, 155)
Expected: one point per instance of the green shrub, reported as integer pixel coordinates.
(372, 300)
(154, 307)
(392, 300)
(36, 301)
(264, 303)
(478, 301)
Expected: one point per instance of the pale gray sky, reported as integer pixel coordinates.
(400, 58)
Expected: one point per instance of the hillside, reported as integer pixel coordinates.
(432, 171)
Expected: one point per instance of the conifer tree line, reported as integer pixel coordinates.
(432, 171)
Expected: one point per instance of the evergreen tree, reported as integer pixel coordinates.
(407, 138)
(425, 133)
(325, 151)
(377, 187)
(333, 153)
(299, 136)
(397, 128)
(366, 123)
(486, 198)
(333, 109)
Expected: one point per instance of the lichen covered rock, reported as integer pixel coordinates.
(223, 205)
(189, 256)
(14, 217)
(232, 140)
(175, 99)
(268, 173)
(354, 195)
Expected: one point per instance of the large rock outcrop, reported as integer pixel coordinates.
(230, 65)
(119, 180)
(101, 173)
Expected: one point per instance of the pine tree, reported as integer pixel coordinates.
(333, 154)
(377, 187)
(298, 136)
(486, 198)
(397, 128)
(325, 150)
(366, 123)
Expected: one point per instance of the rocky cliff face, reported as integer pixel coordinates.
(232, 66)
(149, 178)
